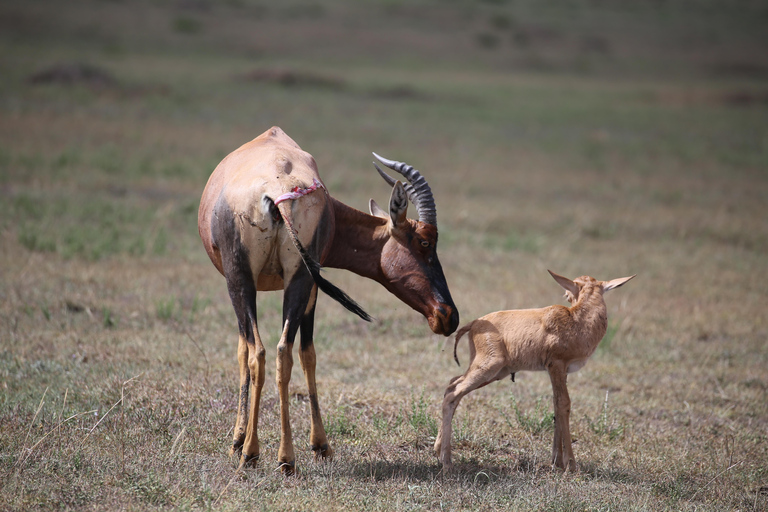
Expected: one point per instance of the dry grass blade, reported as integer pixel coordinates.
(29, 429)
(176, 442)
(119, 401)
(718, 475)
(31, 449)
(199, 349)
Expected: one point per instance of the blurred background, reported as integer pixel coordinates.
(588, 137)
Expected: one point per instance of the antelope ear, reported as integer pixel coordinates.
(376, 210)
(615, 283)
(566, 283)
(398, 204)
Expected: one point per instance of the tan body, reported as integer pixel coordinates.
(270, 165)
(556, 339)
(267, 223)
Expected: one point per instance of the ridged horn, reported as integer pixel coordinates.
(417, 188)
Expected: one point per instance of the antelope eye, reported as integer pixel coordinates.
(424, 243)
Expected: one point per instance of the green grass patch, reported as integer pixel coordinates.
(535, 422)
(607, 423)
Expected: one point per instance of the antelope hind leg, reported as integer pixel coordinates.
(475, 377)
(317, 437)
(238, 438)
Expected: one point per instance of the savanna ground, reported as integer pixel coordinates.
(598, 138)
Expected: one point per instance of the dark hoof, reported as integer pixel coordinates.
(323, 451)
(248, 461)
(288, 468)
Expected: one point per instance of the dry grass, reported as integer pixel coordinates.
(545, 147)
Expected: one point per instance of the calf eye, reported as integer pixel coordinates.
(424, 243)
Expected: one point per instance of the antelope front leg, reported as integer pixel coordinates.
(562, 451)
(256, 364)
(286, 457)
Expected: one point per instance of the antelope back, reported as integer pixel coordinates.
(243, 190)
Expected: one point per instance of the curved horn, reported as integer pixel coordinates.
(391, 182)
(417, 188)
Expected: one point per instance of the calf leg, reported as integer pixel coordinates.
(439, 439)
(562, 451)
(476, 376)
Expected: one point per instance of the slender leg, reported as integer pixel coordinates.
(285, 455)
(317, 438)
(240, 268)
(242, 401)
(295, 301)
(439, 438)
(250, 355)
(562, 451)
(476, 377)
(557, 445)
(256, 365)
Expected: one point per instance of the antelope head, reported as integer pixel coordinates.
(410, 267)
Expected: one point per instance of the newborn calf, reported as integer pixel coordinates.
(557, 339)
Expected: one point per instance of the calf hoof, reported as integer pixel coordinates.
(288, 468)
(248, 461)
(570, 467)
(323, 452)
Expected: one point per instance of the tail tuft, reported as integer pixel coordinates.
(328, 287)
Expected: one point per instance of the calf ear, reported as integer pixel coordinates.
(566, 283)
(376, 210)
(615, 283)
(398, 204)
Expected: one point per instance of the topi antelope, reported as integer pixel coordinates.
(557, 339)
(268, 223)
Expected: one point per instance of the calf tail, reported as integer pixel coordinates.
(314, 267)
(461, 332)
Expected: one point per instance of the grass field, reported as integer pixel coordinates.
(588, 138)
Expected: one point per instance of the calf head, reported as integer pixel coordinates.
(574, 288)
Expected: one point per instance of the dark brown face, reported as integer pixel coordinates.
(413, 273)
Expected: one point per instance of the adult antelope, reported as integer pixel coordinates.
(267, 222)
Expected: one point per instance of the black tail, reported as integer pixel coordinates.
(314, 267)
(328, 287)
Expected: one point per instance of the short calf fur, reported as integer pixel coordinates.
(557, 339)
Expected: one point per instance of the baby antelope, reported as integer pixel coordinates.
(557, 339)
